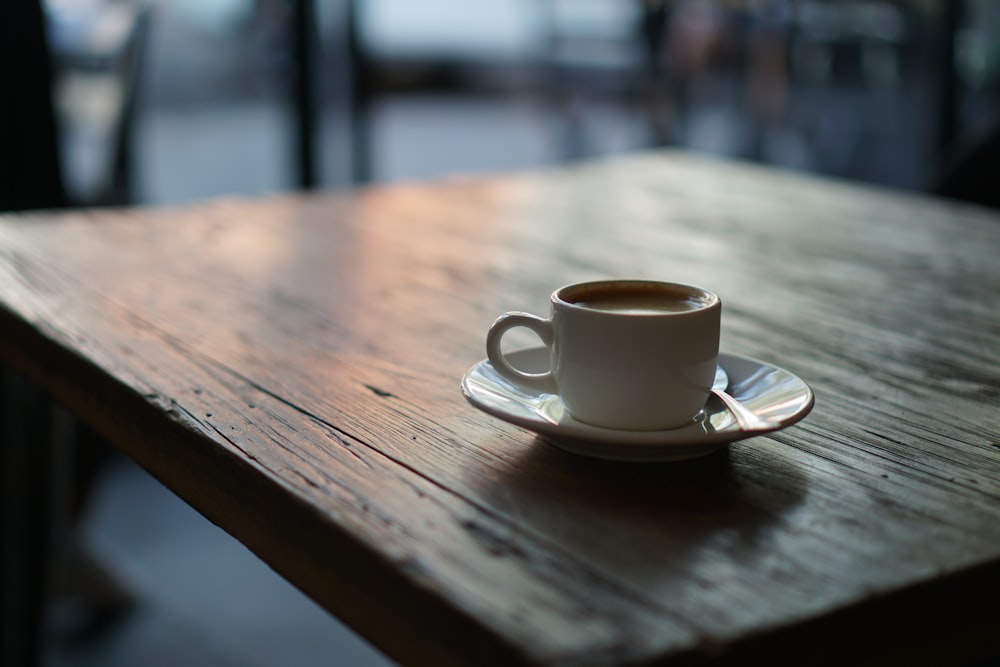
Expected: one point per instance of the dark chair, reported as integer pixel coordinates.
(38, 128)
(97, 60)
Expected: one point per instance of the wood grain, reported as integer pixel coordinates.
(290, 366)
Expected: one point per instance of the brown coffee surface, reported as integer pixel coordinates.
(638, 299)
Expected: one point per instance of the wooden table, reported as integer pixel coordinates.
(290, 366)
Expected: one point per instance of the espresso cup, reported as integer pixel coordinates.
(625, 354)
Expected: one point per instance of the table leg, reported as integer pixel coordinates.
(27, 512)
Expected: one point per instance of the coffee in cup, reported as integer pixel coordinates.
(625, 354)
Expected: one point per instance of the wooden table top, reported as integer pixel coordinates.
(291, 365)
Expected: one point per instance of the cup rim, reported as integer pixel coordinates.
(560, 297)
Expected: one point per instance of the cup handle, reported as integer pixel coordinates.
(504, 323)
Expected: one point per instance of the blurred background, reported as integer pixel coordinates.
(170, 101)
(877, 91)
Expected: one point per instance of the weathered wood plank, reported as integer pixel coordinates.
(307, 351)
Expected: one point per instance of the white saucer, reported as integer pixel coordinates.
(771, 392)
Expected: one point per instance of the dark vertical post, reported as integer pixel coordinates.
(304, 91)
(948, 97)
(359, 98)
(121, 190)
(30, 175)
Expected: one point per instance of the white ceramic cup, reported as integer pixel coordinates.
(625, 354)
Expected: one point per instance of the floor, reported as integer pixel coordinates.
(202, 598)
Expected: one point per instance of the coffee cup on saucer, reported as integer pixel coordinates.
(625, 354)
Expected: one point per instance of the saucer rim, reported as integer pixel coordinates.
(626, 445)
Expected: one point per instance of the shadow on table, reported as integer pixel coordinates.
(647, 519)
